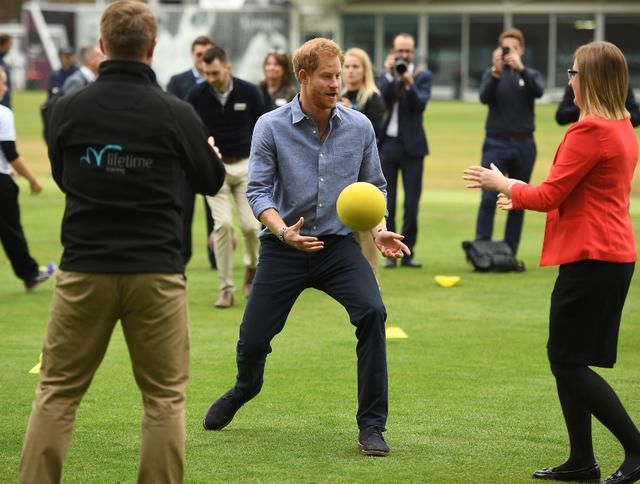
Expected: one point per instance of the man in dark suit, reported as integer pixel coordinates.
(406, 91)
(180, 85)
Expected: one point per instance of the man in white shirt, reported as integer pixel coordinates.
(91, 57)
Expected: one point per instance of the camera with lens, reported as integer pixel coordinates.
(505, 51)
(401, 65)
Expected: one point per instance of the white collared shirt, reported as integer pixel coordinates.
(88, 74)
(392, 128)
(224, 96)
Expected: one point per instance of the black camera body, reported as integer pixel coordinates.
(505, 51)
(401, 65)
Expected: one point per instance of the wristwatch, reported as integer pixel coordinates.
(281, 233)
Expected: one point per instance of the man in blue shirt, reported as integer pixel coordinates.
(302, 156)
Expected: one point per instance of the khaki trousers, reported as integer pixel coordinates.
(369, 250)
(235, 186)
(153, 311)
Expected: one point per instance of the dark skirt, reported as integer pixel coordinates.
(586, 305)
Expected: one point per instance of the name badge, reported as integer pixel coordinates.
(240, 107)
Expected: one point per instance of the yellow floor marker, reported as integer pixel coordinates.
(393, 332)
(447, 281)
(36, 369)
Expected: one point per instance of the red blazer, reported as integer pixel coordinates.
(586, 195)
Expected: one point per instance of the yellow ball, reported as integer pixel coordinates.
(361, 206)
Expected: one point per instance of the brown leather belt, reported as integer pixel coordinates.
(230, 160)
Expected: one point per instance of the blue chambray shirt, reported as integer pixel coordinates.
(292, 171)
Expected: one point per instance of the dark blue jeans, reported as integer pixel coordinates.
(342, 272)
(514, 158)
(394, 158)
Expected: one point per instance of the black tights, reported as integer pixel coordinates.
(583, 393)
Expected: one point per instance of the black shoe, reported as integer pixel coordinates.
(591, 473)
(221, 412)
(372, 443)
(619, 478)
(389, 263)
(411, 262)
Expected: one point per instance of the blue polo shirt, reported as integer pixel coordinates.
(292, 171)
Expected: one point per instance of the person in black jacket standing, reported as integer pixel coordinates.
(180, 85)
(509, 89)
(118, 150)
(568, 112)
(229, 108)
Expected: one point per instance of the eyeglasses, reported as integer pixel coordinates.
(571, 74)
(404, 51)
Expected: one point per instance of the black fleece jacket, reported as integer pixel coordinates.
(119, 150)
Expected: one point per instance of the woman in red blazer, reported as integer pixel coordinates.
(589, 235)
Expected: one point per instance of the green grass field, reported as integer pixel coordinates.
(471, 396)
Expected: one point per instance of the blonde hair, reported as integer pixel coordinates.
(307, 56)
(127, 29)
(604, 80)
(368, 87)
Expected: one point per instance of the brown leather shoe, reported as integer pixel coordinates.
(249, 274)
(225, 300)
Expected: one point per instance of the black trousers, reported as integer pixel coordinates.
(188, 202)
(342, 272)
(394, 159)
(11, 233)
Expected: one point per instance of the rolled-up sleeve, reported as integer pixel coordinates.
(262, 169)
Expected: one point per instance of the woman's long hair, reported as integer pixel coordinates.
(369, 85)
(283, 61)
(604, 80)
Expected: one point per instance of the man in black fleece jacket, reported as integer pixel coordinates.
(119, 149)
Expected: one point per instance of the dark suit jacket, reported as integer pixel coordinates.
(413, 102)
(180, 84)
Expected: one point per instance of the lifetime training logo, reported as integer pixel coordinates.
(115, 162)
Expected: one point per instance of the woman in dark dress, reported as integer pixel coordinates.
(590, 236)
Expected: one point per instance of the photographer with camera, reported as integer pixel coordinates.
(403, 144)
(509, 89)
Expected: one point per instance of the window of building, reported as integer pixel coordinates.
(623, 32)
(359, 31)
(445, 33)
(572, 31)
(535, 29)
(484, 31)
(397, 24)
